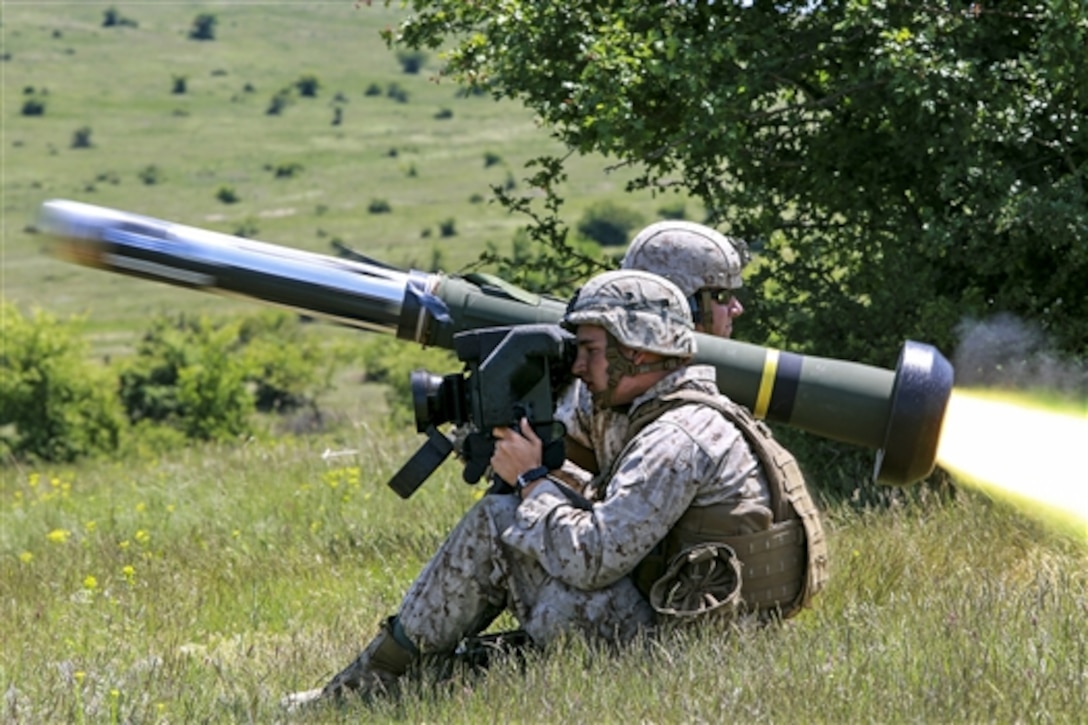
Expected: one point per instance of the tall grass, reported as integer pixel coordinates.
(204, 586)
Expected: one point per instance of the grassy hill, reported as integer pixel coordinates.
(299, 178)
(202, 585)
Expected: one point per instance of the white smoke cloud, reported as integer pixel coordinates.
(1006, 352)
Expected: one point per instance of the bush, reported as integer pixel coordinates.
(609, 224)
(285, 370)
(391, 362)
(279, 102)
(448, 228)
(112, 18)
(673, 210)
(181, 85)
(227, 194)
(397, 92)
(308, 85)
(491, 159)
(205, 378)
(57, 406)
(186, 374)
(444, 114)
(33, 107)
(373, 89)
(203, 27)
(287, 169)
(379, 206)
(150, 174)
(412, 61)
(81, 138)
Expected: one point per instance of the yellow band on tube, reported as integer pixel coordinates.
(766, 384)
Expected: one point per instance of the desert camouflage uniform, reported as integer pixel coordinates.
(601, 430)
(561, 568)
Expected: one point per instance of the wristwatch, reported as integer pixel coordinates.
(533, 474)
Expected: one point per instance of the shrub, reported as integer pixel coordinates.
(150, 174)
(203, 27)
(396, 92)
(373, 89)
(33, 107)
(389, 361)
(448, 228)
(81, 138)
(491, 159)
(411, 61)
(608, 223)
(112, 18)
(308, 85)
(181, 85)
(444, 114)
(186, 374)
(205, 378)
(285, 370)
(227, 194)
(673, 210)
(57, 406)
(287, 169)
(247, 228)
(379, 206)
(279, 102)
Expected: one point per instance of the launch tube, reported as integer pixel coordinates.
(899, 412)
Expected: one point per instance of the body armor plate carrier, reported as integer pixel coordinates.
(782, 567)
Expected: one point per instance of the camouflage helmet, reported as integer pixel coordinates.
(640, 310)
(691, 256)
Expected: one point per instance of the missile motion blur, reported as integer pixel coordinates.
(898, 413)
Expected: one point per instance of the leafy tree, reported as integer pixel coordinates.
(902, 163)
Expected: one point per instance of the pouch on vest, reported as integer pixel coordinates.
(701, 580)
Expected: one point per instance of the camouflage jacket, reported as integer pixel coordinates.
(688, 456)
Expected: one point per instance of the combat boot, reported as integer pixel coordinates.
(374, 673)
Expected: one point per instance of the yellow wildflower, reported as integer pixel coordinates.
(90, 583)
(142, 537)
(59, 536)
(26, 557)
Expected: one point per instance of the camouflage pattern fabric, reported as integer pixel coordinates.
(641, 310)
(560, 568)
(691, 256)
(601, 430)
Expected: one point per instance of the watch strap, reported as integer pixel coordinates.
(533, 474)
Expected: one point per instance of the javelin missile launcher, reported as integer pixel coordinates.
(898, 413)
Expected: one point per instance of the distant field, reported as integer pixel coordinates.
(119, 83)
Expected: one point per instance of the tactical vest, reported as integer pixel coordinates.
(783, 567)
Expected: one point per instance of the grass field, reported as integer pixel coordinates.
(202, 585)
(118, 82)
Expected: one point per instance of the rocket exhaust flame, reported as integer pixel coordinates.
(898, 413)
(1013, 449)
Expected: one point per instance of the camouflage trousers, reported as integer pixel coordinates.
(474, 576)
